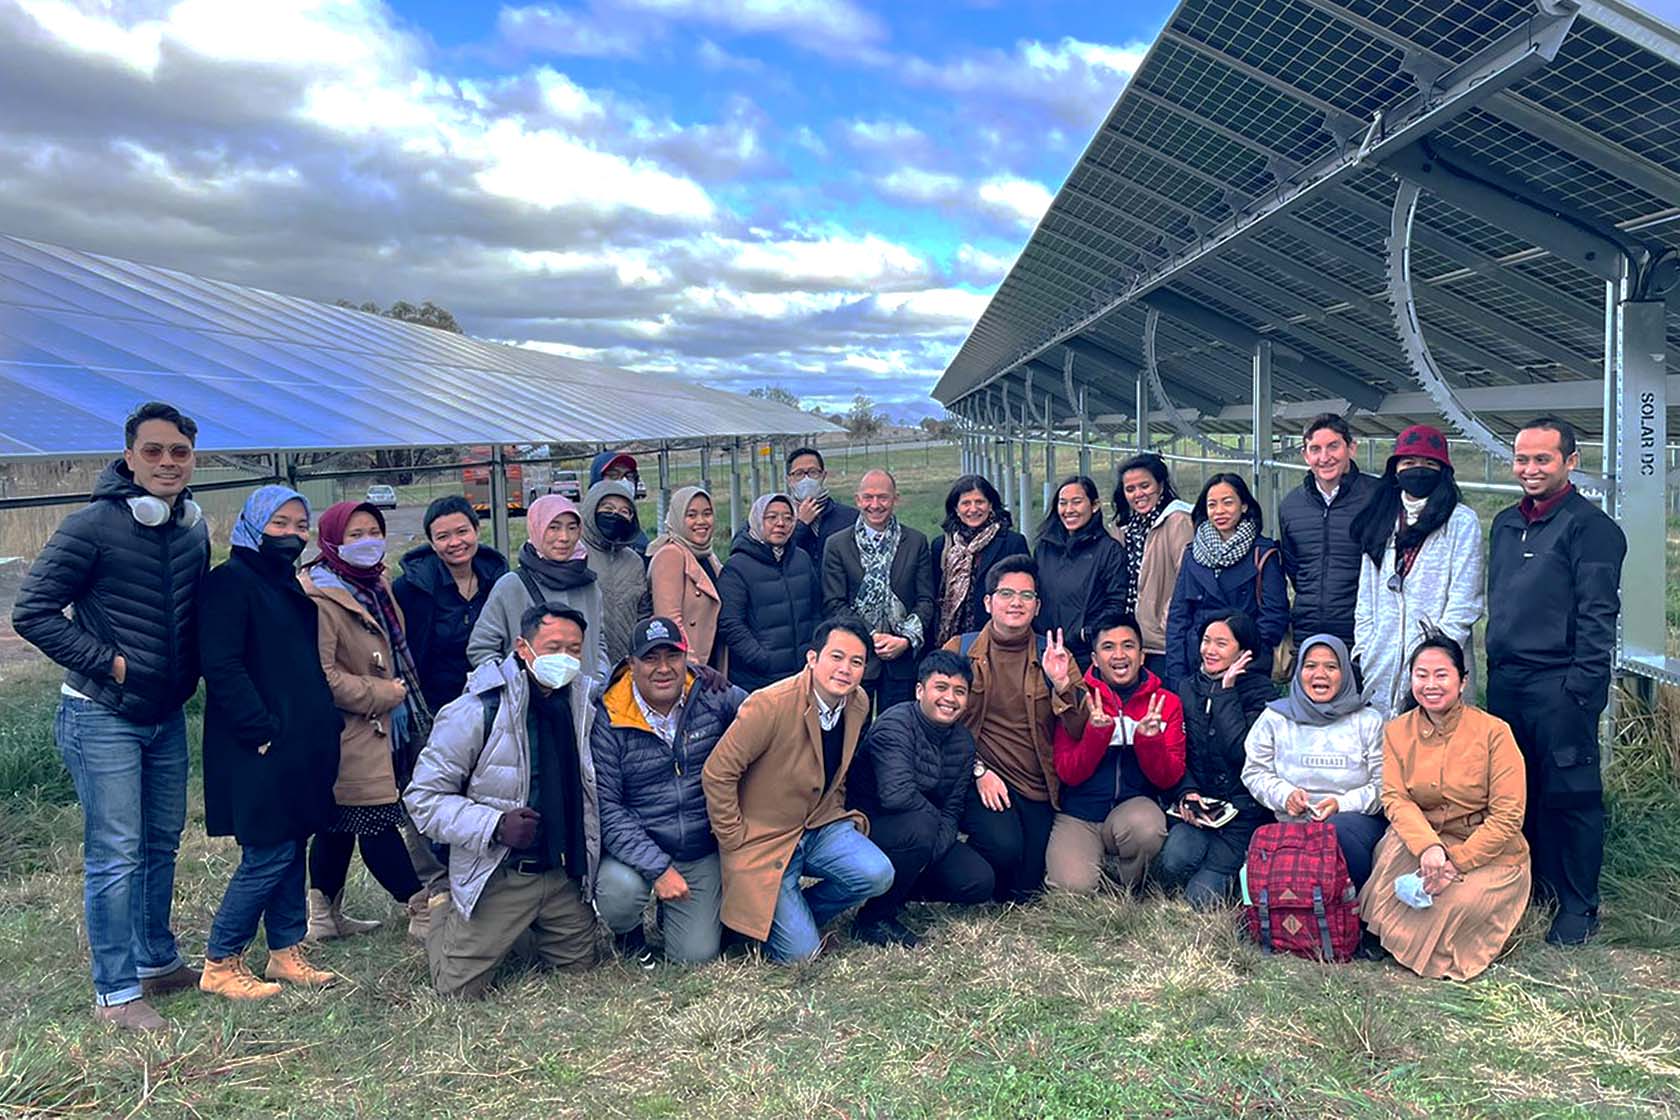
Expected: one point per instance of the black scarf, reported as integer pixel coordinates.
(557, 575)
(556, 788)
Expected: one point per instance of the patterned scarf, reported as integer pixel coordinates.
(1138, 526)
(956, 611)
(411, 723)
(881, 610)
(1211, 552)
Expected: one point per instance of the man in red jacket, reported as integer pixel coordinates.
(1115, 774)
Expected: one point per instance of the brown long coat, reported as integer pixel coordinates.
(356, 658)
(764, 790)
(683, 592)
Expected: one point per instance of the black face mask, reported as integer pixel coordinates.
(1418, 482)
(614, 528)
(285, 548)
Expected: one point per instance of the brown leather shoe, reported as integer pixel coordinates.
(135, 1015)
(183, 978)
(288, 964)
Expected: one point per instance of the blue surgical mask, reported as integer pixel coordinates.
(555, 670)
(1409, 889)
(367, 552)
(804, 489)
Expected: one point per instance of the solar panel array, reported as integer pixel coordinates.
(85, 338)
(1233, 100)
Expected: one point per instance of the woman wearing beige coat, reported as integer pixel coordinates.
(1454, 791)
(1154, 528)
(364, 655)
(682, 575)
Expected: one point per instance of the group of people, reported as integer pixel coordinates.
(621, 731)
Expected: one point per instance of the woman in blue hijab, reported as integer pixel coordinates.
(271, 734)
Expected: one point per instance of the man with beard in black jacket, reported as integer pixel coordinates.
(1320, 556)
(911, 779)
(1553, 594)
(129, 565)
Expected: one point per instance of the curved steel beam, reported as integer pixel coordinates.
(1151, 322)
(1416, 348)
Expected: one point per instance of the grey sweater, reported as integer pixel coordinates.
(1343, 760)
(498, 625)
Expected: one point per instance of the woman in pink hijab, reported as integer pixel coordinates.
(552, 567)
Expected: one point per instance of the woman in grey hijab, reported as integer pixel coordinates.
(1316, 754)
(772, 597)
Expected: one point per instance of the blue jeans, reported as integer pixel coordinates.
(268, 884)
(131, 779)
(850, 869)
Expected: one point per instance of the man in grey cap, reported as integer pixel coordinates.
(654, 730)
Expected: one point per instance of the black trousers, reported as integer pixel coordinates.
(959, 875)
(383, 852)
(1012, 841)
(888, 690)
(1565, 822)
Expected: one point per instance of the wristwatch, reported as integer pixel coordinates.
(979, 769)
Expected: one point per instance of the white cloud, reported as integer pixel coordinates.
(832, 261)
(978, 267)
(623, 28)
(913, 184)
(1074, 80)
(1019, 200)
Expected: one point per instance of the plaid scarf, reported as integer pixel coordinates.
(956, 610)
(1211, 552)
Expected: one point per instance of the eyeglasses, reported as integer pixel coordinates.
(1008, 593)
(807, 472)
(177, 452)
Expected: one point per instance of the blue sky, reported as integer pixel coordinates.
(816, 195)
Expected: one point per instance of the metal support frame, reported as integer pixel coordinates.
(664, 502)
(498, 498)
(1641, 398)
(735, 503)
(1265, 475)
(1049, 456)
(1151, 325)
(1023, 483)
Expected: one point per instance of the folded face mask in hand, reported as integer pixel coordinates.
(1409, 889)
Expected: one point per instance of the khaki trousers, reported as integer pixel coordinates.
(544, 913)
(1132, 834)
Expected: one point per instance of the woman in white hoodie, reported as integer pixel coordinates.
(1154, 528)
(1422, 568)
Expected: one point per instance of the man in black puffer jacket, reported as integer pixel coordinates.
(1320, 556)
(129, 565)
(911, 778)
(654, 729)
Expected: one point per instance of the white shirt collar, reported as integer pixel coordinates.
(827, 716)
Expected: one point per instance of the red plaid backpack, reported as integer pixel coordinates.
(1300, 899)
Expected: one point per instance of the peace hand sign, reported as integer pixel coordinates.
(1153, 722)
(1094, 710)
(1236, 669)
(1056, 661)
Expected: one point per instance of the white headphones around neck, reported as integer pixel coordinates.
(152, 511)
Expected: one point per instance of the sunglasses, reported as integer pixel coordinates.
(177, 452)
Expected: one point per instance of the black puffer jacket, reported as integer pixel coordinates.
(263, 684)
(770, 607)
(653, 809)
(1320, 556)
(438, 622)
(908, 764)
(1081, 580)
(133, 590)
(1216, 723)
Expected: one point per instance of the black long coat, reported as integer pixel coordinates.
(263, 684)
(911, 578)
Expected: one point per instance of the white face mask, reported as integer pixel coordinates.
(152, 511)
(555, 670)
(366, 552)
(805, 489)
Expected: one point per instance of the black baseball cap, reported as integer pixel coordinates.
(651, 633)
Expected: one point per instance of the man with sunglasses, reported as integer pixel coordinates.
(129, 565)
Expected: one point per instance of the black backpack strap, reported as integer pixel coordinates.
(492, 702)
(1265, 906)
(531, 587)
(1323, 923)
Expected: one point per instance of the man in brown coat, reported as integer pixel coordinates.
(776, 794)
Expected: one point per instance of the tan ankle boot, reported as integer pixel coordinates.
(289, 964)
(231, 978)
(327, 919)
(420, 915)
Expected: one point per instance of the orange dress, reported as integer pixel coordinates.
(1461, 784)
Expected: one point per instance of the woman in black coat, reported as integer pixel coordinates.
(1221, 702)
(771, 597)
(271, 733)
(442, 591)
(978, 533)
(1081, 569)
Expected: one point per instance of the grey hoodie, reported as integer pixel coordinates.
(620, 572)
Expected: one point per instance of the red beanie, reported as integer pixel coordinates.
(1420, 441)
